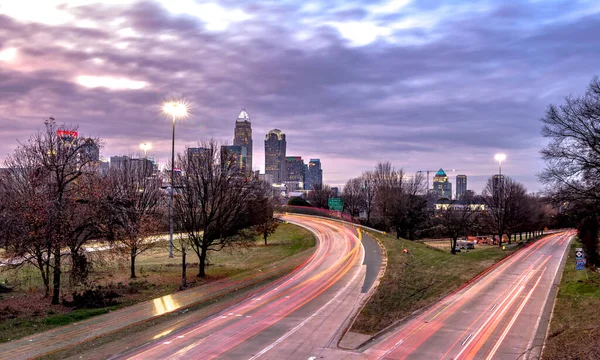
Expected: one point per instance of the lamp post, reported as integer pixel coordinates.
(176, 110)
(500, 158)
(145, 147)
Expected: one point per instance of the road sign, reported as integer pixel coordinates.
(579, 259)
(336, 204)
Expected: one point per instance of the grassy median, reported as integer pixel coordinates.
(23, 311)
(575, 327)
(419, 278)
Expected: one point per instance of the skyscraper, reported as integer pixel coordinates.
(234, 153)
(441, 186)
(461, 186)
(294, 169)
(275, 155)
(314, 174)
(243, 137)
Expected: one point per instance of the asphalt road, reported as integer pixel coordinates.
(501, 315)
(299, 318)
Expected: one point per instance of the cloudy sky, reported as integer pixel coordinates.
(423, 84)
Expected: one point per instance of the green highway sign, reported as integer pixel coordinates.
(336, 204)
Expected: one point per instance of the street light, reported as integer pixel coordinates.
(500, 158)
(175, 109)
(145, 147)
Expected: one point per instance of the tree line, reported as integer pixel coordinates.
(389, 199)
(55, 202)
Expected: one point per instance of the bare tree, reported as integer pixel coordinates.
(457, 218)
(410, 210)
(354, 197)
(213, 203)
(319, 196)
(573, 154)
(25, 208)
(262, 213)
(506, 202)
(134, 205)
(55, 162)
(370, 192)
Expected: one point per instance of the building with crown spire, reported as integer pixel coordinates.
(243, 137)
(441, 186)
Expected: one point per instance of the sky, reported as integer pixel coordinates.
(422, 84)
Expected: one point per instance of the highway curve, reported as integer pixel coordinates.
(297, 317)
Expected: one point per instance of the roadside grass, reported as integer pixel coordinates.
(419, 278)
(24, 311)
(575, 326)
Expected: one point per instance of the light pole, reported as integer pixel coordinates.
(500, 158)
(176, 110)
(145, 147)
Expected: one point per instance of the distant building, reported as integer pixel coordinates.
(461, 186)
(144, 166)
(118, 161)
(234, 153)
(275, 146)
(497, 182)
(198, 154)
(243, 137)
(314, 174)
(444, 204)
(441, 186)
(268, 178)
(335, 191)
(90, 150)
(294, 168)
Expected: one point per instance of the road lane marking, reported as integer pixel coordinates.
(492, 309)
(467, 339)
(535, 329)
(514, 318)
(511, 296)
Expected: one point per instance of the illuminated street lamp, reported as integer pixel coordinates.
(500, 158)
(176, 110)
(145, 147)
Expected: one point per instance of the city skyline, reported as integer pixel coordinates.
(352, 84)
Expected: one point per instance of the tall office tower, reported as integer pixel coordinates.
(441, 186)
(461, 186)
(314, 174)
(243, 137)
(294, 169)
(234, 153)
(275, 155)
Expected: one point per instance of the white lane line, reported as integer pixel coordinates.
(299, 326)
(537, 325)
(493, 307)
(391, 349)
(467, 339)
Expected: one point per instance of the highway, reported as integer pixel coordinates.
(501, 315)
(296, 317)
